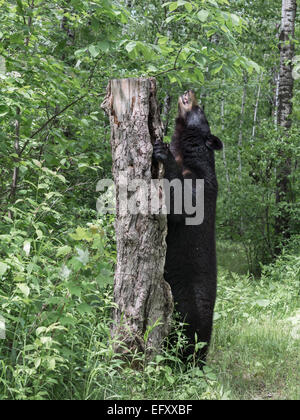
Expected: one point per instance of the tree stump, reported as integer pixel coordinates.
(144, 303)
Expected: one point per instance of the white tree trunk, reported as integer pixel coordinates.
(276, 102)
(240, 142)
(256, 104)
(285, 96)
(142, 296)
(286, 81)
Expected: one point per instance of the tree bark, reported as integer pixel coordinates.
(259, 81)
(240, 141)
(285, 96)
(142, 296)
(276, 101)
(286, 46)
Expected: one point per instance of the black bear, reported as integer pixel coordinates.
(190, 266)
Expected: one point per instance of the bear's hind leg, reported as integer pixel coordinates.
(197, 314)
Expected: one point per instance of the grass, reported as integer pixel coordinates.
(255, 349)
(254, 354)
(261, 364)
(232, 257)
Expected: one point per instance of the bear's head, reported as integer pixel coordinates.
(193, 117)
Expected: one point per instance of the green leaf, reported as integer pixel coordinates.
(84, 308)
(189, 7)
(104, 46)
(263, 303)
(46, 340)
(82, 234)
(40, 330)
(51, 363)
(203, 15)
(256, 67)
(24, 289)
(39, 234)
(236, 20)
(104, 279)
(170, 18)
(130, 46)
(63, 250)
(26, 247)
(173, 6)
(94, 50)
(216, 70)
(37, 362)
(217, 316)
(74, 289)
(3, 268)
(37, 163)
(20, 7)
(67, 320)
(170, 379)
(199, 75)
(62, 178)
(83, 255)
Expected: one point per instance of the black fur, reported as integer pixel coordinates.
(190, 266)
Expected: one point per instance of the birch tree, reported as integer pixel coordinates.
(285, 95)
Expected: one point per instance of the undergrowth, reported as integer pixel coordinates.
(56, 301)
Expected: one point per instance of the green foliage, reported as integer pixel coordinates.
(58, 343)
(57, 255)
(195, 42)
(51, 288)
(256, 332)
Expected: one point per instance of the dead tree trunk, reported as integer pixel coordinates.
(142, 296)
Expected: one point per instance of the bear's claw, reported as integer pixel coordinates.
(160, 151)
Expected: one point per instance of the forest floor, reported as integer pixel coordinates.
(255, 351)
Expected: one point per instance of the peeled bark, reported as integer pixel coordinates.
(142, 296)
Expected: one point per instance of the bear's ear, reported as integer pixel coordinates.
(214, 143)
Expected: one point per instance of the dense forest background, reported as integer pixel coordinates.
(57, 254)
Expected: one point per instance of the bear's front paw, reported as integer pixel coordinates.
(160, 151)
